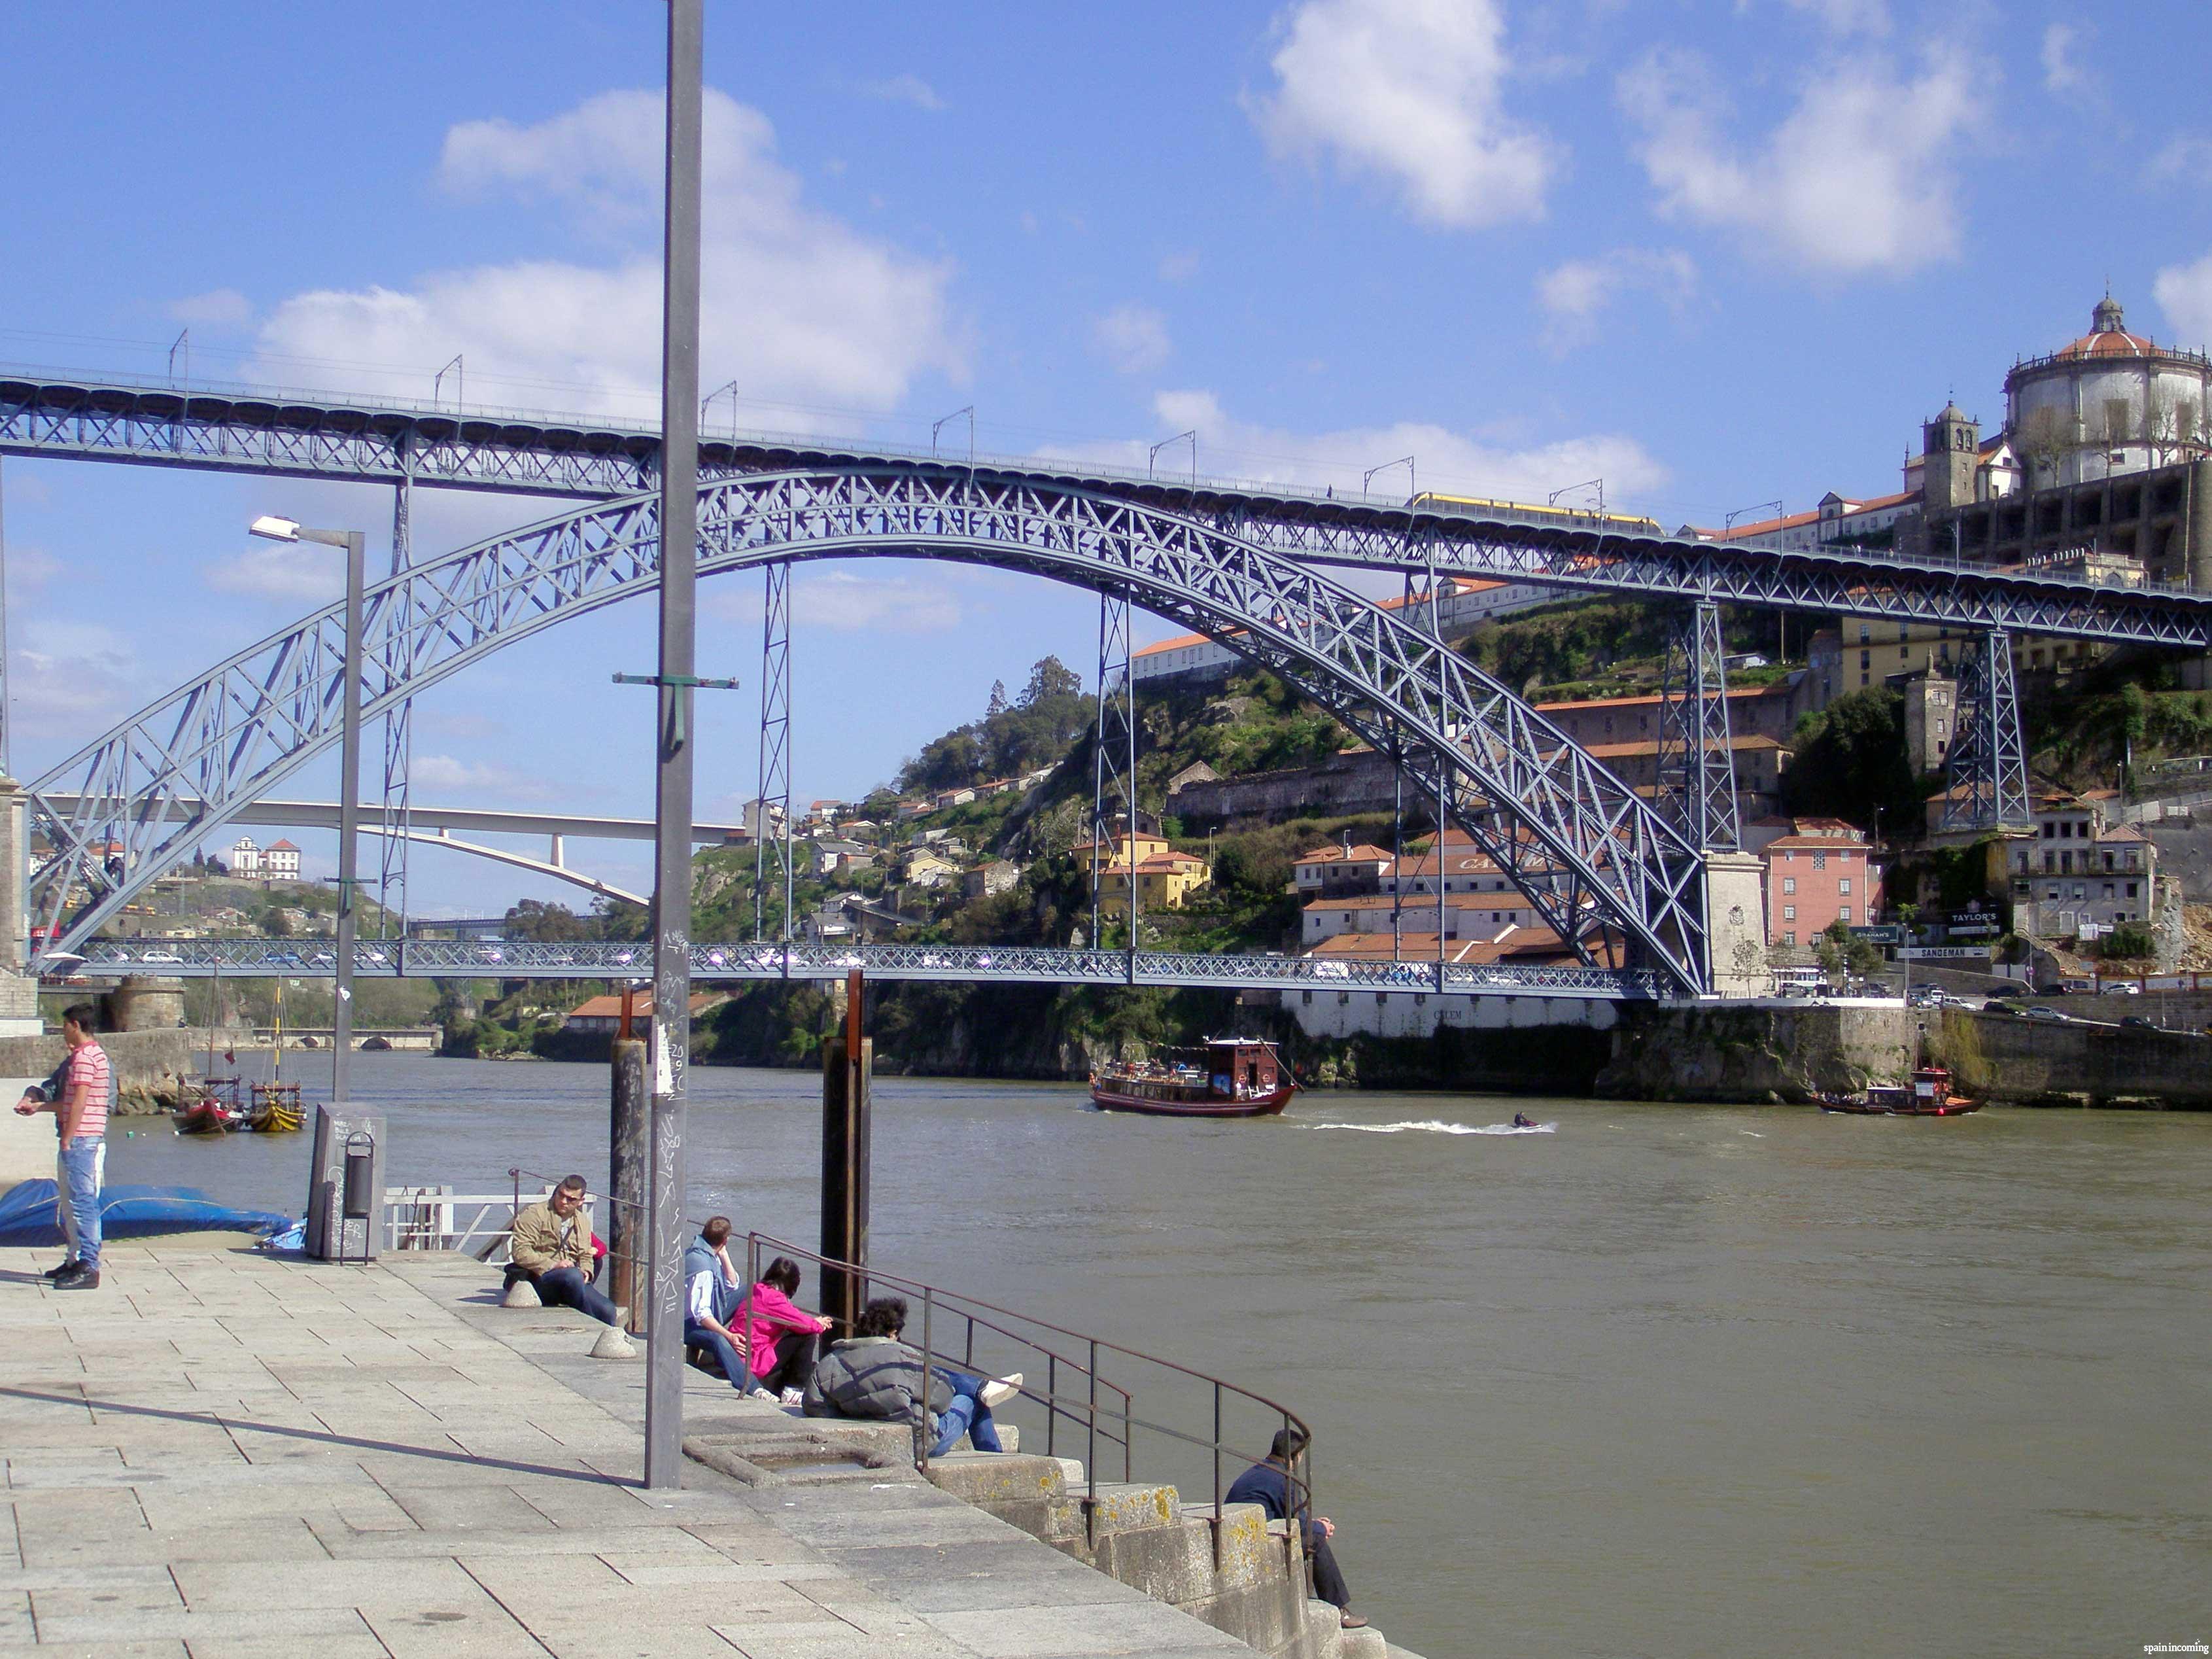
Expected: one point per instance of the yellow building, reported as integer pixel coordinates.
(1163, 877)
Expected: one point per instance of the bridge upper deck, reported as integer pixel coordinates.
(366, 440)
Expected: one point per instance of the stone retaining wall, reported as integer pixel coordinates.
(2024, 1062)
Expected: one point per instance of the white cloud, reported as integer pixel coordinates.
(294, 572)
(72, 671)
(850, 601)
(905, 89)
(1574, 293)
(2060, 72)
(1444, 460)
(2184, 293)
(798, 308)
(2186, 159)
(846, 601)
(1840, 17)
(1133, 338)
(1861, 177)
(479, 778)
(1179, 266)
(1414, 90)
(221, 307)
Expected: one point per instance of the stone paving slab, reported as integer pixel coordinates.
(222, 1454)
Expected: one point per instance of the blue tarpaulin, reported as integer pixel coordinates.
(27, 1218)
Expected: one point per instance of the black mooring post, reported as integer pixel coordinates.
(847, 1063)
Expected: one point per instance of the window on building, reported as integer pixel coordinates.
(1844, 886)
(2131, 890)
(1790, 939)
(1844, 913)
(1819, 860)
(1788, 913)
(1789, 884)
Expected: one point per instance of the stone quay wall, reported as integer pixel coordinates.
(2024, 1062)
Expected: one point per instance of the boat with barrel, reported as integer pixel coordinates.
(1930, 1094)
(1223, 1077)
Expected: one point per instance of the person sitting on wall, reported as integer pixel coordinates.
(872, 1374)
(552, 1247)
(1268, 1484)
(781, 1337)
(712, 1299)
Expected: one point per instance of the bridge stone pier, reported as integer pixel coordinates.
(1737, 916)
(19, 990)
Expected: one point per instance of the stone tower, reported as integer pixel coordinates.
(1951, 448)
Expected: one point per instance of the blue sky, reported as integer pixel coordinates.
(1718, 252)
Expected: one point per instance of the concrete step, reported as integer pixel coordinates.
(1116, 1506)
(1367, 1644)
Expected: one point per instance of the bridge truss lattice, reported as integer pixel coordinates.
(1594, 859)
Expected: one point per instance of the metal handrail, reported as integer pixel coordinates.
(1098, 1421)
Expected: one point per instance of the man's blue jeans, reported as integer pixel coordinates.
(733, 1362)
(566, 1287)
(967, 1415)
(80, 1166)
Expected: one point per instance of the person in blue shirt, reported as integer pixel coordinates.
(712, 1299)
(1268, 1484)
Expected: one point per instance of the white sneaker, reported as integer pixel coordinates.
(997, 1392)
(794, 1396)
(758, 1393)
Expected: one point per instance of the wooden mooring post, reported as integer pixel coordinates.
(628, 1141)
(848, 1061)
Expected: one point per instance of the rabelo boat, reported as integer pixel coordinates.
(1227, 1077)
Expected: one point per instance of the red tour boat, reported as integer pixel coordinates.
(1229, 1077)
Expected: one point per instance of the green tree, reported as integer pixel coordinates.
(1050, 677)
(997, 705)
(1850, 761)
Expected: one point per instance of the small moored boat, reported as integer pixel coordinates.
(1229, 1077)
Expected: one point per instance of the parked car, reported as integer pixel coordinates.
(2124, 987)
(1999, 1005)
(2137, 1023)
(2039, 1012)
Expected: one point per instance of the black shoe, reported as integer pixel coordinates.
(78, 1277)
(57, 1271)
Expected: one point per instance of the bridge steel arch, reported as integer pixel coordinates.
(1595, 861)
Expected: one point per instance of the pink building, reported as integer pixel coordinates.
(1817, 874)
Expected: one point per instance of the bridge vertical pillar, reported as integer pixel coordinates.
(1985, 774)
(1695, 762)
(399, 724)
(775, 775)
(1114, 766)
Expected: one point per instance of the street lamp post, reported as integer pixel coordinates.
(286, 530)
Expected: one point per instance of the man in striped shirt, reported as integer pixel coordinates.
(79, 1095)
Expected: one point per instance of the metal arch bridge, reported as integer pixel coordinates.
(1597, 865)
(356, 439)
(963, 964)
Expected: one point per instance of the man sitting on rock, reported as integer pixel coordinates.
(711, 1297)
(1268, 1484)
(551, 1247)
(872, 1374)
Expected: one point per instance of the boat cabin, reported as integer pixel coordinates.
(1242, 1068)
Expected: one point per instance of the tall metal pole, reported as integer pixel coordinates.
(673, 735)
(349, 829)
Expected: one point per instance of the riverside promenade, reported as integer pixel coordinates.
(224, 1455)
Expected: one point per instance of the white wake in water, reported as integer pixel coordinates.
(1438, 1127)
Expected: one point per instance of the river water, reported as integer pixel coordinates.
(1663, 1380)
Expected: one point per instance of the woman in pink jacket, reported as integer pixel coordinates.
(780, 1336)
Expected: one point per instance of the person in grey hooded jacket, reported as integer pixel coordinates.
(872, 1374)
